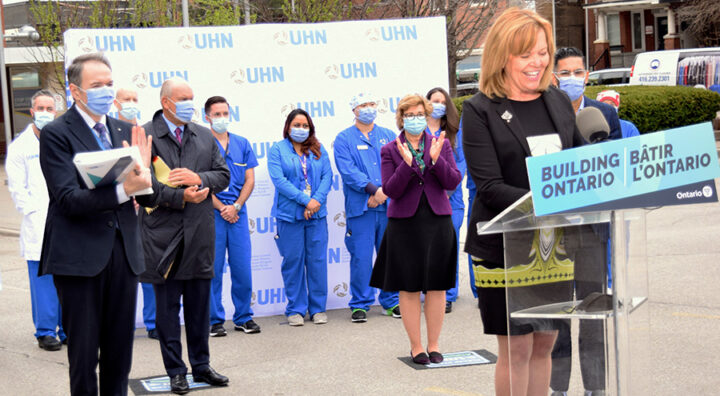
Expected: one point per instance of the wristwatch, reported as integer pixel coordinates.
(237, 206)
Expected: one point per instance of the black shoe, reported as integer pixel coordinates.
(210, 376)
(153, 334)
(436, 357)
(49, 343)
(249, 327)
(448, 306)
(64, 341)
(179, 384)
(217, 330)
(358, 316)
(420, 358)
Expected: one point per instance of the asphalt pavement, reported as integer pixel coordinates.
(677, 331)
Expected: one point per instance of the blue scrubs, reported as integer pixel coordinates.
(302, 243)
(456, 203)
(46, 311)
(148, 306)
(233, 238)
(358, 161)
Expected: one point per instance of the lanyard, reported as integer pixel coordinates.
(303, 162)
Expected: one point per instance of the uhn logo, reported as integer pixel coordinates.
(270, 296)
(263, 225)
(399, 33)
(336, 183)
(213, 40)
(388, 104)
(308, 37)
(256, 75)
(261, 149)
(352, 70)
(334, 255)
(157, 78)
(234, 114)
(320, 108)
(115, 43)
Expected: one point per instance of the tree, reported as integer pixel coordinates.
(316, 10)
(703, 21)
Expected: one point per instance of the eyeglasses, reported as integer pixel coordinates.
(579, 73)
(416, 116)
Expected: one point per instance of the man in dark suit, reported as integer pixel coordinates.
(179, 232)
(91, 244)
(590, 250)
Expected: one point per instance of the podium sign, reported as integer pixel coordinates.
(672, 167)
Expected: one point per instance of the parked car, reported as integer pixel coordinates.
(468, 69)
(620, 76)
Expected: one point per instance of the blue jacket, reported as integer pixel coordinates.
(628, 129)
(286, 174)
(610, 115)
(456, 196)
(358, 161)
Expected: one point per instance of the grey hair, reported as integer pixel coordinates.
(74, 72)
(168, 85)
(42, 92)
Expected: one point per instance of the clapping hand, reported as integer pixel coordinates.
(139, 178)
(404, 152)
(436, 146)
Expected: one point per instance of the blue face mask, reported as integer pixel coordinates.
(573, 87)
(438, 111)
(367, 115)
(220, 124)
(129, 110)
(299, 135)
(42, 118)
(184, 110)
(414, 125)
(99, 100)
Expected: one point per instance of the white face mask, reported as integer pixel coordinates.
(129, 110)
(42, 118)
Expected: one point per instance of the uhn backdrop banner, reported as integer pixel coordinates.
(265, 71)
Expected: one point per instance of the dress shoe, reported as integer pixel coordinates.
(49, 343)
(420, 358)
(153, 334)
(436, 357)
(448, 306)
(179, 384)
(210, 376)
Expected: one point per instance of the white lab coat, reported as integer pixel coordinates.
(28, 190)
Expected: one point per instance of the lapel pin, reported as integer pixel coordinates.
(506, 116)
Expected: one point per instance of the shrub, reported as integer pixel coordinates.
(657, 108)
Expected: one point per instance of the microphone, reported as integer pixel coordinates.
(592, 125)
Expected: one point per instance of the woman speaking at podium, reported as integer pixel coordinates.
(516, 114)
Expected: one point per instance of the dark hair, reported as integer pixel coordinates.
(74, 72)
(213, 100)
(451, 120)
(42, 92)
(568, 52)
(311, 143)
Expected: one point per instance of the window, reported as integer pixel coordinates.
(613, 29)
(638, 31)
(25, 78)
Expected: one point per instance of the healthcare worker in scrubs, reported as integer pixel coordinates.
(29, 192)
(445, 118)
(299, 167)
(232, 235)
(357, 157)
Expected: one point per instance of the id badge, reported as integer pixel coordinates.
(308, 190)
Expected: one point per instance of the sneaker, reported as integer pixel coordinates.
(248, 327)
(319, 318)
(217, 330)
(394, 312)
(359, 315)
(448, 306)
(49, 343)
(296, 320)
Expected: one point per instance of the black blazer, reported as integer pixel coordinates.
(495, 152)
(81, 223)
(173, 221)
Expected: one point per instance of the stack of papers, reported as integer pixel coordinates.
(108, 167)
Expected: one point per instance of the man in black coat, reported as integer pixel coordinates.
(91, 243)
(178, 232)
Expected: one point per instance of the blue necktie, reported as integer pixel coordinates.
(104, 137)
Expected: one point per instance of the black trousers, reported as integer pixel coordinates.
(196, 309)
(99, 314)
(590, 276)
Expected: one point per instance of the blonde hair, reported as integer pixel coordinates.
(407, 102)
(513, 33)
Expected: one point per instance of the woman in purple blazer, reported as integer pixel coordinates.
(418, 250)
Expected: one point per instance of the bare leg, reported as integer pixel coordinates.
(434, 316)
(541, 362)
(512, 368)
(410, 308)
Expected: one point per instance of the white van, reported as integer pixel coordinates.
(690, 66)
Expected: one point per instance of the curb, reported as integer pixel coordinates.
(9, 232)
